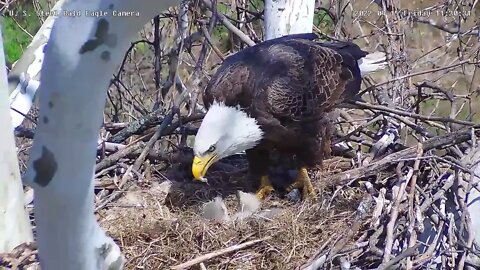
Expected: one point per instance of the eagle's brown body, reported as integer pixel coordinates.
(288, 85)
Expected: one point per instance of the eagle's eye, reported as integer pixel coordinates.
(211, 149)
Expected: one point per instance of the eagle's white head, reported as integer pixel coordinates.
(224, 131)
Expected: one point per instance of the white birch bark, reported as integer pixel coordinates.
(25, 74)
(283, 17)
(82, 54)
(14, 222)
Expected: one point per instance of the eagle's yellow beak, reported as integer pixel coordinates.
(200, 166)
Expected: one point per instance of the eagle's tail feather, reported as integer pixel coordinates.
(372, 62)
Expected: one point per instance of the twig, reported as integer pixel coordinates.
(362, 210)
(316, 260)
(449, 95)
(112, 159)
(219, 253)
(207, 34)
(175, 55)
(444, 27)
(125, 57)
(429, 200)
(402, 183)
(375, 167)
(158, 54)
(467, 61)
(406, 253)
(433, 246)
(209, 40)
(224, 20)
(412, 209)
(166, 121)
(137, 126)
(414, 115)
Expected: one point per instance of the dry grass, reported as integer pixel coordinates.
(158, 234)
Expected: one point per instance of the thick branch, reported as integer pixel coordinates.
(411, 152)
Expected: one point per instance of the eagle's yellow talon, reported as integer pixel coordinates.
(265, 188)
(303, 182)
(309, 191)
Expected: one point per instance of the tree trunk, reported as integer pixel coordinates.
(25, 74)
(82, 54)
(14, 222)
(284, 17)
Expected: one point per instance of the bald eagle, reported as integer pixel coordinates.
(275, 95)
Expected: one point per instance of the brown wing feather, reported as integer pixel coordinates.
(231, 85)
(313, 83)
(291, 79)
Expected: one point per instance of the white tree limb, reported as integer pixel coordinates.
(82, 54)
(24, 78)
(14, 223)
(283, 17)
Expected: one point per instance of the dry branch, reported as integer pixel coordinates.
(377, 166)
(414, 115)
(138, 126)
(230, 26)
(219, 253)
(446, 28)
